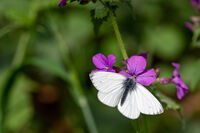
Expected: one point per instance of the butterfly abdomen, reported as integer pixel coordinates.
(128, 85)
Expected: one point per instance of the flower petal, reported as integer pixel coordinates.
(105, 70)
(136, 64)
(189, 26)
(147, 77)
(111, 60)
(182, 89)
(179, 81)
(165, 80)
(100, 61)
(177, 66)
(98, 70)
(125, 74)
(62, 3)
(111, 70)
(194, 2)
(181, 92)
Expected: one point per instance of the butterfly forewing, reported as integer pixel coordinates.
(107, 81)
(110, 86)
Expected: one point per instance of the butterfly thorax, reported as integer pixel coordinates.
(128, 85)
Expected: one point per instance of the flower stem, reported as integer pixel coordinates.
(145, 124)
(136, 125)
(118, 36)
(124, 54)
(182, 119)
(21, 50)
(77, 90)
(6, 89)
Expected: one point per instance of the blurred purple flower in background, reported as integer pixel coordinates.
(195, 23)
(189, 26)
(196, 4)
(104, 64)
(195, 19)
(182, 89)
(62, 3)
(136, 68)
(165, 80)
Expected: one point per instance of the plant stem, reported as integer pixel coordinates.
(21, 50)
(183, 122)
(77, 90)
(7, 29)
(123, 51)
(118, 36)
(137, 126)
(10, 78)
(145, 124)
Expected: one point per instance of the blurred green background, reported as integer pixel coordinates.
(46, 55)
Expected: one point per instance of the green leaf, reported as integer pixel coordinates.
(196, 38)
(170, 104)
(6, 90)
(97, 22)
(21, 103)
(101, 12)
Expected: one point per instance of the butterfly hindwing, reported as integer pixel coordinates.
(111, 98)
(130, 108)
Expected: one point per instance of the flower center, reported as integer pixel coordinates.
(107, 68)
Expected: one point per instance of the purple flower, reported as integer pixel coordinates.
(62, 3)
(189, 26)
(165, 80)
(104, 64)
(136, 69)
(195, 23)
(182, 89)
(196, 4)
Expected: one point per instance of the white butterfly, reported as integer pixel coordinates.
(131, 98)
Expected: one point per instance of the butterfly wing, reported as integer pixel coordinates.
(111, 98)
(110, 86)
(146, 102)
(130, 106)
(107, 81)
(140, 100)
